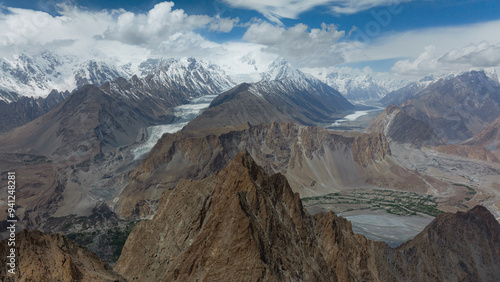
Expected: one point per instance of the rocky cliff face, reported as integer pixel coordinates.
(454, 247)
(314, 160)
(41, 257)
(398, 126)
(243, 223)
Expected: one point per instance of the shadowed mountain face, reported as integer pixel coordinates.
(450, 110)
(397, 97)
(457, 108)
(284, 94)
(84, 125)
(398, 126)
(249, 225)
(41, 257)
(314, 160)
(26, 109)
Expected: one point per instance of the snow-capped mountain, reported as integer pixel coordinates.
(486, 76)
(96, 72)
(188, 74)
(284, 94)
(284, 78)
(362, 86)
(400, 95)
(38, 74)
(173, 80)
(455, 106)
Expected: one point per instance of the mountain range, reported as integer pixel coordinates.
(38, 74)
(455, 108)
(284, 94)
(316, 162)
(223, 195)
(362, 86)
(243, 222)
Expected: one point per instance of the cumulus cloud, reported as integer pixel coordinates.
(23, 26)
(114, 32)
(299, 45)
(291, 9)
(152, 28)
(481, 55)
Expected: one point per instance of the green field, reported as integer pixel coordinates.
(394, 202)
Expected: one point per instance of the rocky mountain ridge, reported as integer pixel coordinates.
(284, 94)
(249, 224)
(314, 160)
(25, 109)
(41, 257)
(456, 107)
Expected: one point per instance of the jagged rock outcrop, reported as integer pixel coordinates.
(41, 257)
(315, 161)
(242, 224)
(464, 246)
(398, 126)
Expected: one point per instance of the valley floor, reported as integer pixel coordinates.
(395, 216)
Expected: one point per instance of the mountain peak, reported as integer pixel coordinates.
(491, 73)
(281, 69)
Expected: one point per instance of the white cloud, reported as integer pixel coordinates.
(425, 63)
(23, 27)
(274, 10)
(353, 7)
(291, 9)
(409, 44)
(298, 44)
(110, 33)
(153, 28)
(224, 24)
(482, 55)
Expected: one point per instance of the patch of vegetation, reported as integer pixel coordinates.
(471, 191)
(393, 202)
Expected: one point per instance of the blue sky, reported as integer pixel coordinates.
(408, 38)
